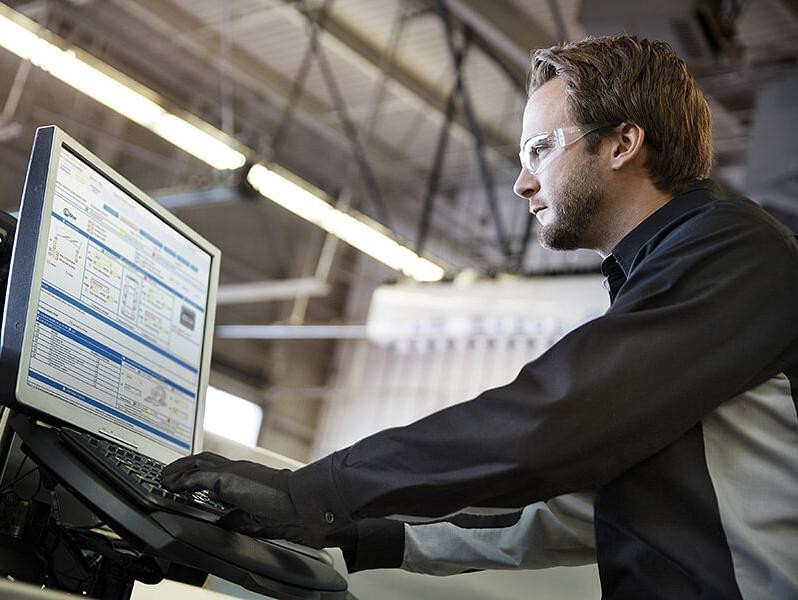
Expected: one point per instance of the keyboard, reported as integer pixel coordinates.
(140, 477)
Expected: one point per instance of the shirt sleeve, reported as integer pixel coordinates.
(706, 315)
(558, 532)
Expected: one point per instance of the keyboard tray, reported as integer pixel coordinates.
(261, 567)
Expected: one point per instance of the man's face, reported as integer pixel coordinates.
(566, 195)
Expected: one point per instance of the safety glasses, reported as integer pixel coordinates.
(538, 150)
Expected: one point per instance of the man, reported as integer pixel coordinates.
(660, 439)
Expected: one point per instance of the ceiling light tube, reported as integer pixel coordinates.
(275, 289)
(351, 228)
(113, 89)
(295, 332)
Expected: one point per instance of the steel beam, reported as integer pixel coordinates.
(433, 182)
(270, 290)
(503, 26)
(350, 44)
(249, 74)
(291, 332)
(476, 132)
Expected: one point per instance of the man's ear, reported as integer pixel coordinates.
(627, 144)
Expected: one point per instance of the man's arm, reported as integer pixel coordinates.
(546, 534)
(702, 319)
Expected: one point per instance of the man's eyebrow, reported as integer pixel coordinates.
(534, 136)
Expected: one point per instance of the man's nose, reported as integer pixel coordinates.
(526, 185)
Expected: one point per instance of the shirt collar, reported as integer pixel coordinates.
(627, 249)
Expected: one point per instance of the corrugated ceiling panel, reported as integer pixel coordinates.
(424, 51)
(374, 21)
(540, 11)
(412, 134)
(259, 27)
(279, 43)
(277, 36)
(215, 13)
(489, 89)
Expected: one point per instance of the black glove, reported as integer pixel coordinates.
(264, 507)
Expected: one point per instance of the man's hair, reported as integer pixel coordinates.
(622, 78)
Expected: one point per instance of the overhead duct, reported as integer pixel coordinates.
(691, 27)
(537, 309)
(773, 147)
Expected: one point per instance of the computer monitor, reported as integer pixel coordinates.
(109, 316)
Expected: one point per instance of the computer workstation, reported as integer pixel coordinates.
(105, 357)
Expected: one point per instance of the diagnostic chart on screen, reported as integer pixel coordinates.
(121, 312)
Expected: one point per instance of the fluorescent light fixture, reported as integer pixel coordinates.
(274, 289)
(203, 145)
(232, 417)
(354, 230)
(290, 332)
(116, 91)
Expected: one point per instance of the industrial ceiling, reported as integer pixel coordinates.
(406, 110)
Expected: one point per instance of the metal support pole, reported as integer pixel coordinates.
(386, 66)
(435, 175)
(351, 133)
(513, 76)
(15, 93)
(330, 244)
(317, 25)
(226, 91)
(297, 87)
(559, 22)
(484, 167)
(440, 152)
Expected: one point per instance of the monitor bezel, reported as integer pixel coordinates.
(27, 265)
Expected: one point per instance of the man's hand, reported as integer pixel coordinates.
(260, 494)
(264, 508)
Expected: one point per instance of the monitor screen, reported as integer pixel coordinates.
(118, 316)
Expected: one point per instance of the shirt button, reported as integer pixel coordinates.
(329, 517)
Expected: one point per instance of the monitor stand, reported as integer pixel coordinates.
(39, 545)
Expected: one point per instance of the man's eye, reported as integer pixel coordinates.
(539, 149)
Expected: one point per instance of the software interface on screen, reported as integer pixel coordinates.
(121, 314)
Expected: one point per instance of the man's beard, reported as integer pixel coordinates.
(576, 203)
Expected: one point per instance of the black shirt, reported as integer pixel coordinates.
(677, 406)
